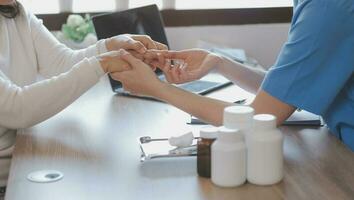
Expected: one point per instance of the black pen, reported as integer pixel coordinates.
(242, 101)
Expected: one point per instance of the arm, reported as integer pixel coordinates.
(248, 78)
(207, 109)
(24, 107)
(196, 104)
(193, 64)
(29, 105)
(53, 57)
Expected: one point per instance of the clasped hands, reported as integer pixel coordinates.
(132, 60)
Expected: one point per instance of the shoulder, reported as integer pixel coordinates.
(323, 16)
(337, 7)
(25, 16)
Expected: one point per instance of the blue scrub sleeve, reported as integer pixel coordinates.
(306, 75)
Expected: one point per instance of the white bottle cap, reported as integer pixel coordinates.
(234, 115)
(264, 121)
(230, 135)
(209, 132)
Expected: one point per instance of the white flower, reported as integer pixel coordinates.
(75, 20)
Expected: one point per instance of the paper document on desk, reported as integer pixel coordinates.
(299, 118)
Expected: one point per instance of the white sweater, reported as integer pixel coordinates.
(39, 77)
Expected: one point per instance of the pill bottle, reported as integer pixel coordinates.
(265, 151)
(228, 158)
(207, 137)
(238, 117)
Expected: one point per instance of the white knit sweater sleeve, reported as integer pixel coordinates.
(24, 107)
(54, 57)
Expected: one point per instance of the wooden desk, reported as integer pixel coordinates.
(94, 143)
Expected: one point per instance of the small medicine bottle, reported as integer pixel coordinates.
(265, 151)
(228, 158)
(238, 117)
(207, 137)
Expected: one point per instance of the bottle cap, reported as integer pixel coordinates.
(209, 132)
(230, 135)
(234, 115)
(264, 121)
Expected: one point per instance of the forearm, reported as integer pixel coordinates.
(246, 77)
(58, 59)
(206, 109)
(265, 103)
(211, 110)
(54, 57)
(24, 107)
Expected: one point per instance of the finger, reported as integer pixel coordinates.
(161, 46)
(161, 59)
(119, 65)
(149, 55)
(155, 64)
(158, 58)
(129, 58)
(136, 46)
(175, 75)
(175, 55)
(164, 66)
(136, 54)
(146, 40)
(166, 70)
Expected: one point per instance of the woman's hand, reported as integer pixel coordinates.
(137, 43)
(140, 80)
(112, 62)
(189, 65)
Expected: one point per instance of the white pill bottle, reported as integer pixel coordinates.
(228, 158)
(265, 151)
(239, 117)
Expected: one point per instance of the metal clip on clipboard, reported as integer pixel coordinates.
(160, 148)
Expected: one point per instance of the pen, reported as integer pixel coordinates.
(242, 101)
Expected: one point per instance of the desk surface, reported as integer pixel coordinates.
(94, 143)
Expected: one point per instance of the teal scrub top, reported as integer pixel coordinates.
(314, 70)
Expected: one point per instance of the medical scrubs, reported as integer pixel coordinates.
(314, 70)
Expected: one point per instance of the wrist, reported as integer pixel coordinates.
(160, 90)
(103, 63)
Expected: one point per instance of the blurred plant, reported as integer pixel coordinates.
(77, 27)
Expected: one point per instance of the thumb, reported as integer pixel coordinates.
(174, 54)
(129, 58)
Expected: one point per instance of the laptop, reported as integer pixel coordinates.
(147, 21)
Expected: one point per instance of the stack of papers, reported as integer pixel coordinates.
(299, 118)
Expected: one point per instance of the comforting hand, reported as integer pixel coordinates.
(112, 62)
(140, 80)
(138, 43)
(188, 65)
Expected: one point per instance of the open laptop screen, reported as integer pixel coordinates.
(144, 21)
